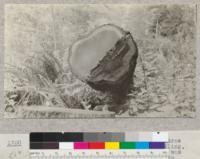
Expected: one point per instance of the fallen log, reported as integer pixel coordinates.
(44, 112)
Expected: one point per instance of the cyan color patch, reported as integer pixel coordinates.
(142, 145)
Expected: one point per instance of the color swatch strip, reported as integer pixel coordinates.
(97, 145)
(97, 136)
(76, 137)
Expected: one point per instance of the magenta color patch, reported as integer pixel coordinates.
(81, 145)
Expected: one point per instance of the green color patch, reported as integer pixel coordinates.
(127, 145)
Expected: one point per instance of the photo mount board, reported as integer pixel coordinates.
(21, 125)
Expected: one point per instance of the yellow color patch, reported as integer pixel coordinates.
(112, 145)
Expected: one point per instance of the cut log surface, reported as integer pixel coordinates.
(105, 58)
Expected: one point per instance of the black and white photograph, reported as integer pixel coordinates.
(99, 61)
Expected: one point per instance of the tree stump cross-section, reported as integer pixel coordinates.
(105, 59)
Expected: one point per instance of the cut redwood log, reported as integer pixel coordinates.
(105, 59)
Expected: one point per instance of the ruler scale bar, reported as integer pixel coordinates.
(126, 154)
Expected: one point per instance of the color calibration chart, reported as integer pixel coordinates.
(99, 145)
(108, 145)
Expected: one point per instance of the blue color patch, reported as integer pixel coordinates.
(142, 145)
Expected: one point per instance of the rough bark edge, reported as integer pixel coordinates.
(132, 66)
